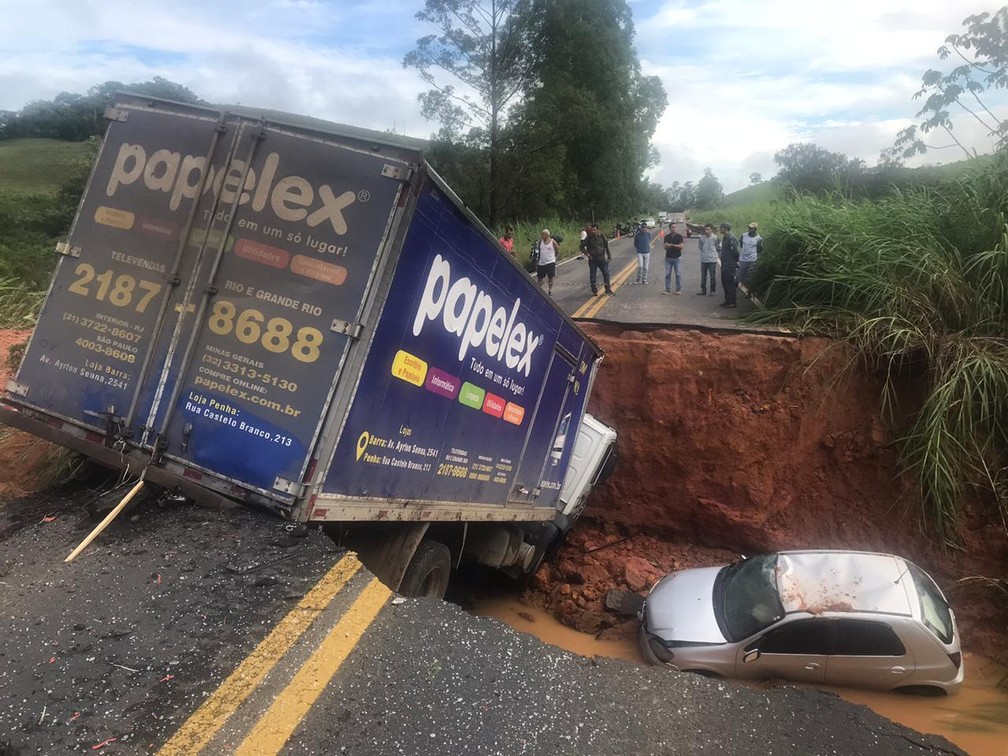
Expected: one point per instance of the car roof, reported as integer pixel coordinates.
(844, 581)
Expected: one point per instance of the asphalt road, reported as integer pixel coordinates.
(186, 630)
(646, 304)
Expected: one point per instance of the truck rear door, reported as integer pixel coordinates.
(215, 277)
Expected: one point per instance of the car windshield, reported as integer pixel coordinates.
(746, 597)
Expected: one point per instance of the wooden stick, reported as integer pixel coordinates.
(105, 523)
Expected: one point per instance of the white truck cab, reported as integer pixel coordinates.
(591, 462)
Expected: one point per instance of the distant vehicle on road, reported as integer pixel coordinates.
(679, 221)
(649, 222)
(847, 618)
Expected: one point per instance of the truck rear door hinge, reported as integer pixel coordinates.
(398, 172)
(116, 114)
(64, 248)
(19, 389)
(288, 486)
(353, 330)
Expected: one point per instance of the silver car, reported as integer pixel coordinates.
(849, 618)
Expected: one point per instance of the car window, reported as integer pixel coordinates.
(747, 599)
(934, 609)
(812, 636)
(866, 638)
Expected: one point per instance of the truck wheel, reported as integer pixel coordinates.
(428, 571)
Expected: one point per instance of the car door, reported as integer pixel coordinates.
(795, 650)
(867, 654)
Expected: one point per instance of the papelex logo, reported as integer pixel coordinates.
(291, 198)
(470, 314)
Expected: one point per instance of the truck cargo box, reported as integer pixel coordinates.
(304, 319)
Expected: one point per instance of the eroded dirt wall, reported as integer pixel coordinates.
(736, 443)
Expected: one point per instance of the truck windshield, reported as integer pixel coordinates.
(746, 598)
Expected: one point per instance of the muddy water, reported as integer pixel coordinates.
(976, 719)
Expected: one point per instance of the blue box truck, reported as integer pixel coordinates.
(305, 318)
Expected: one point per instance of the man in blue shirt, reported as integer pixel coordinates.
(642, 243)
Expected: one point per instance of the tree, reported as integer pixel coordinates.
(682, 196)
(479, 46)
(982, 56)
(589, 105)
(806, 167)
(75, 117)
(755, 178)
(709, 193)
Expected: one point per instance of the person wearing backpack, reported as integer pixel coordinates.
(546, 250)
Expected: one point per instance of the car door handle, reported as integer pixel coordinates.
(812, 666)
(897, 670)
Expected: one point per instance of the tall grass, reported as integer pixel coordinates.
(917, 279)
(739, 216)
(19, 304)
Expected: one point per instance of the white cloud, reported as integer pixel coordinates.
(337, 61)
(745, 79)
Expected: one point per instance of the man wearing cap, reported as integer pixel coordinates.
(729, 262)
(642, 243)
(751, 244)
(596, 247)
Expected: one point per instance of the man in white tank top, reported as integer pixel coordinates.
(546, 268)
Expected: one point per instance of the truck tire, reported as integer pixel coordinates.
(428, 571)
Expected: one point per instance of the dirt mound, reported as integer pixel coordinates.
(737, 443)
(21, 455)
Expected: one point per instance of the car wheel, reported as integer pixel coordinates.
(428, 571)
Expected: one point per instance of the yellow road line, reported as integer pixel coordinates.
(593, 305)
(276, 726)
(596, 302)
(204, 723)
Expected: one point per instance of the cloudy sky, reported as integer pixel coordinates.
(745, 78)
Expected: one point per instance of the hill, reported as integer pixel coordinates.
(766, 191)
(39, 166)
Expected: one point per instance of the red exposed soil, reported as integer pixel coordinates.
(20, 453)
(737, 443)
(729, 444)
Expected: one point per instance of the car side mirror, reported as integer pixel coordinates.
(751, 656)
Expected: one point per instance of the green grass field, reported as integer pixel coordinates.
(39, 166)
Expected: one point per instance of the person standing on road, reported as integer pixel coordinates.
(729, 263)
(547, 248)
(708, 260)
(642, 243)
(751, 244)
(596, 247)
(673, 259)
(507, 241)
